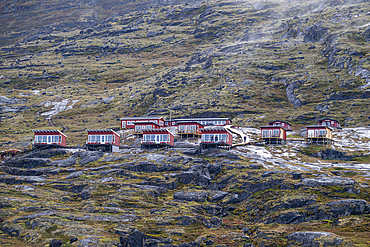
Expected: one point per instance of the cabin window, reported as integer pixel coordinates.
(275, 133)
(207, 137)
(123, 124)
(149, 127)
(193, 128)
(265, 133)
(156, 121)
(310, 133)
(223, 137)
(163, 138)
(137, 127)
(181, 127)
(55, 139)
(108, 138)
(322, 133)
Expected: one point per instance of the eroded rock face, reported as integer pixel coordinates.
(314, 33)
(349, 207)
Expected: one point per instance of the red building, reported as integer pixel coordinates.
(50, 138)
(106, 140)
(140, 126)
(129, 122)
(283, 124)
(329, 122)
(273, 135)
(157, 138)
(319, 134)
(186, 129)
(204, 121)
(216, 137)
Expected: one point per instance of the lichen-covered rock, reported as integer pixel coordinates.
(27, 162)
(328, 181)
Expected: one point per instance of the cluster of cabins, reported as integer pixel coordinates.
(158, 132)
(321, 134)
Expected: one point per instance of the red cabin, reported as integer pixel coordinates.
(187, 129)
(283, 124)
(129, 122)
(106, 140)
(157, 138)
(319, 134)
(49, 138)
(140, 126)
(215, 137)
(275, 135)
(329, 122)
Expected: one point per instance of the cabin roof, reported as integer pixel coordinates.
(279, 121)
(189, 122)
(49, 131)
(140, 118)
(320, 126)
(270, 126)
(157, 131)
(328, 119)
(214, 129)
(199, 119)
(143, 122)
(102, 130)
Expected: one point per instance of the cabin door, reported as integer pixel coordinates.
(157, 139)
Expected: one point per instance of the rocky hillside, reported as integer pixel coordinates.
(85, 64)
(250, 196)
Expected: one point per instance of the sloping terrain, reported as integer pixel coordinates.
(249, 196)
(252, 61)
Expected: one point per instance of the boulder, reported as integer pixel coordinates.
(217, 210)
(219, 195)
(191, 196)
(291, 217)
(73, 239)
(213, 222)
(56, 243)
(154, 191)
(313, 239)
(134, 239)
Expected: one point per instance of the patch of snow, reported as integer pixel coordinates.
(366, 25)
(36, 92)
(58, 107)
